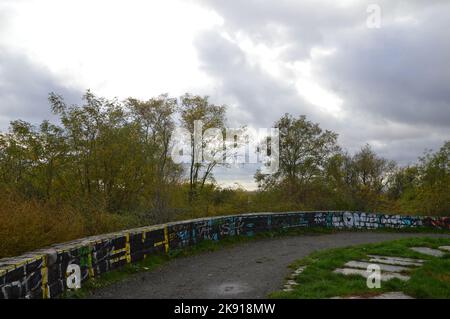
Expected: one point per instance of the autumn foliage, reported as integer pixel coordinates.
(106, 165)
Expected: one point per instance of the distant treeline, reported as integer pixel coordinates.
(106, 165)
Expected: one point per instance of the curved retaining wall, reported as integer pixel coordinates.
(42, 273)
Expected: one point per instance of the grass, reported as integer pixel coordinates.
(29, 224)
(432, 280)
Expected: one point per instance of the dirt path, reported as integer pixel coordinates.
(249, 270)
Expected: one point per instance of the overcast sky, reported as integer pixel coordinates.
(387, 86)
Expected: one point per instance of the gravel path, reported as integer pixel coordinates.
(249, 270)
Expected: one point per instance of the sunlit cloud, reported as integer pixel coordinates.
(114, 47)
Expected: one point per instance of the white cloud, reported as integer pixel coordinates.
(119, 48)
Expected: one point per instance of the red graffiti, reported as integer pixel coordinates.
(438, 222)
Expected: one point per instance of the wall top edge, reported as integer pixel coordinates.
(8, 263)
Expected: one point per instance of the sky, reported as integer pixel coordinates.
(388, 85)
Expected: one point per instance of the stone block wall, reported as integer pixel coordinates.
(42, 273)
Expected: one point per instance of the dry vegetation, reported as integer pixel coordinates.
(106, 166)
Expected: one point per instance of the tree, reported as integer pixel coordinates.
(19, 158)
(304, 151)
(368, 176)
(402, 182)
(196, 108)
(433, 196)
(154, 118)
(93, 134)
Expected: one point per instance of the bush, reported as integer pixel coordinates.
(28, 224)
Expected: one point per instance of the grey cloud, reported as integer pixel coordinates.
(394, 81)
(261, 98)
(301, 25)
(24, 89)
(399, 72)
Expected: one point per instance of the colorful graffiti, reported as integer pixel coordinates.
(42, 274)
(437, 222)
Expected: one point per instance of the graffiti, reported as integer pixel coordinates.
(437, 222)
(73, 273)
(320, 219)
(204, 230)
(184, 237)
(24, 281)
(360, 220)
(239, 226)
(43, 274)
(226, 229)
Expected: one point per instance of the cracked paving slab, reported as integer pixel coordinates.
(387, 295)
(385, 276)
(428, 251)
(396, 260)
(364, 265)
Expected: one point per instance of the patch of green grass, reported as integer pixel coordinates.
(427, 230)
(432, 280)
(318, 280)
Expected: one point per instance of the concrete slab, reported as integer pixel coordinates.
(428, 251)
(396, 260)
(364, 265)
(291, 282)
(392, 295)
(299, 270)
(385, 276)
(387, 295)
